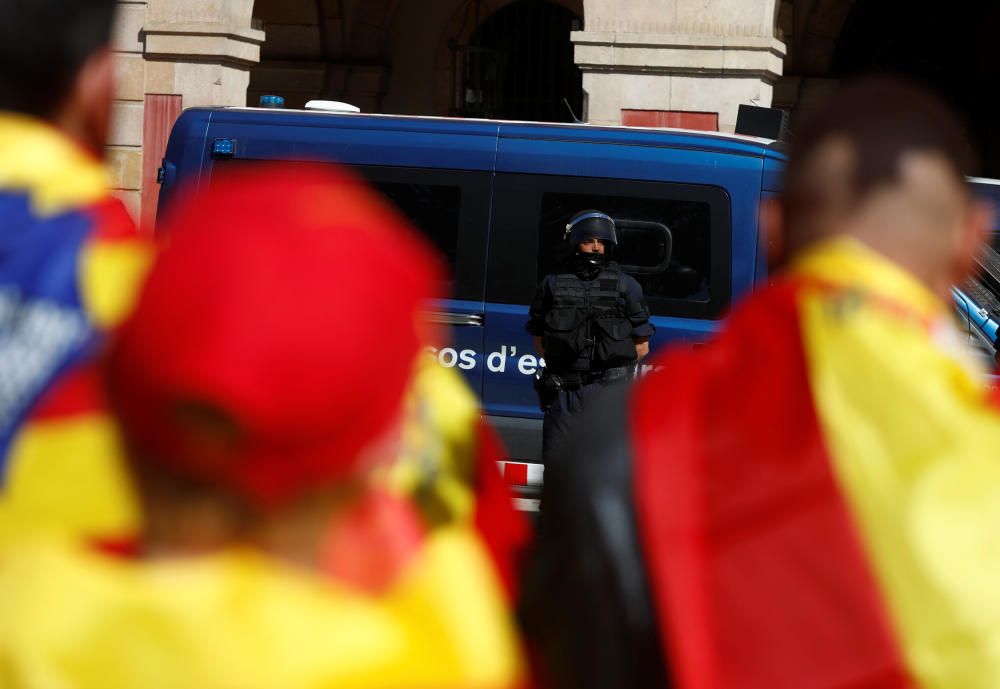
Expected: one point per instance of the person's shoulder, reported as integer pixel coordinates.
(629, 284)
(549, 281)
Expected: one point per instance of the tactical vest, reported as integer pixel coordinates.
(587, 327)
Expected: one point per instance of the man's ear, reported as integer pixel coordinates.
(87, 113)
(773, 233)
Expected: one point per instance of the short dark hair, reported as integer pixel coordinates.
(882, 118)
(43, 45)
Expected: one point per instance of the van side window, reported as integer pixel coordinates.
(432, 208)
(451, 208)
(675, 239)
(684, 273)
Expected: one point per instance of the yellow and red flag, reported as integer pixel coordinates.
(819, 493)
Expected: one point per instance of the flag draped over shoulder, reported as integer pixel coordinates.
(71, 263)
(818, 491)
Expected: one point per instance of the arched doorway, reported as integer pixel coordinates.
(518, 64)
(950, 48)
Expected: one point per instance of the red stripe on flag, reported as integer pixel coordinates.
(515, 474)
(78, 392)
(759, 577)
(112, 222)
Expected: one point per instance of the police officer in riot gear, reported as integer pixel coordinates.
(590, 323)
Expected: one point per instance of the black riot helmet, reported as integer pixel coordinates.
(592, 224)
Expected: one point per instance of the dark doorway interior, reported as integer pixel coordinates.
(519, 65)
(952, 47)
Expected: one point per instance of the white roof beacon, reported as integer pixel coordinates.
(331, 106)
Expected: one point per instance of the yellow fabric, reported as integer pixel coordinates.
(38, 159)
(111, 273)
(915, 443)
(73, 619)
(437, 462)
(68, 475)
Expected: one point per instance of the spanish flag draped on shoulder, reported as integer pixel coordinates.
(70, 264)
(822, 506)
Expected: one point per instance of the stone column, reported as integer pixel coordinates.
(124, 150)
(677, 58)
(201, 50)
(172, 54)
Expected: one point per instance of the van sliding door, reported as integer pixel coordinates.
(687, 270)
(451, 209)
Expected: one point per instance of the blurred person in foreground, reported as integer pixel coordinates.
(70, 264)
(813, 499)
(275, 447)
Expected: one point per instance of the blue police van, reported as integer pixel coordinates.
(495, 197)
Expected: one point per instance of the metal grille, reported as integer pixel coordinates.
(518, 64)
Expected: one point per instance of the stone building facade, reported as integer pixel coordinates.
(644, 62)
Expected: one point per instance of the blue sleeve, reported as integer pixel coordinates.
(636, 308)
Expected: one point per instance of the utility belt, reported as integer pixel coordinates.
(548, 385)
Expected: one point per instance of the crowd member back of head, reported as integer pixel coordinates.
(883, 162)
(56, 64)
(266, 428)
(802, 501)
(70, 258)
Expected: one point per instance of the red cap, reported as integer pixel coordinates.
(276, 334)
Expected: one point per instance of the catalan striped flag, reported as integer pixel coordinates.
(70, 264)
(819, 490)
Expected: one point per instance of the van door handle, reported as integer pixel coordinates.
(446, 318)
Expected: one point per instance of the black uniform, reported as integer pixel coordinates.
(588, 329)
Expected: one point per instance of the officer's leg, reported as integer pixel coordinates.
(557, 423)
(560, 418)
(586, 394)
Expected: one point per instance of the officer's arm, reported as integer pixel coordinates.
(536, 314)
(638, 316)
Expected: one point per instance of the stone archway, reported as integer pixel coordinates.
(417, 50)
(525, 46)
(671, 61)
(812, 30)
(323, 49)
(953, 51)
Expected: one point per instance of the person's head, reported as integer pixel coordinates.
(592, 232)
(56, 64)
(263, 371)
(883, 161)
(593, 237)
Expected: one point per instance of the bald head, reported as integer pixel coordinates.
(884, 162)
